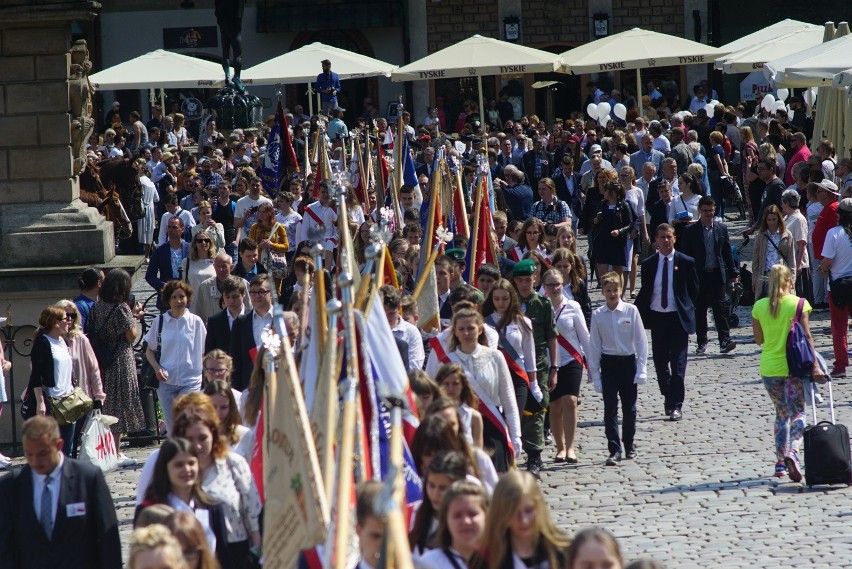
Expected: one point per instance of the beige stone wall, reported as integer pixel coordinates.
(555, 22)
(34, 123)
(665, 16)
(451, 21)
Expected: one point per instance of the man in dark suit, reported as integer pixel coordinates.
(668, 173)
(160, 268)
(537, 163)
(219, 325)
(247, 329)
(56, 512)
(425, 169)
(568, 188)
(708, 243)
(660, 212)
(666, 304)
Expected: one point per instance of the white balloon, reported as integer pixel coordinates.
(604, 109)
(768, 101)
(709, 109)
(714, 102)
(592, 110)
(604, 120)
(620, 111)
(810, 96)
(783, 94)
(779, 106)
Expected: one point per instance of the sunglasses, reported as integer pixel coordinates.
(70, 316)
(202, 241)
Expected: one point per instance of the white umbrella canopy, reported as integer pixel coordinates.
(636, 49)
(753, 57)
(303, 65)
(478, 56)
(159, 69)
(814, 66)
(769, 33)
(831, 116)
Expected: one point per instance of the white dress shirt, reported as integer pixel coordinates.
(571, 325)
(259, 324)
(55, 484)
(617, 332)
(657, 296)
(409, 334)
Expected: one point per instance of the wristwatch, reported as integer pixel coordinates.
(554, 367)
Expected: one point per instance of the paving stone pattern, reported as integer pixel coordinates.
(701, 492)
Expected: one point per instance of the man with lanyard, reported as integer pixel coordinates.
(321, 217)
(328, 85)
(167, 258)
(540, 312)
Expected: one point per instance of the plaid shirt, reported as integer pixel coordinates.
(551, 213)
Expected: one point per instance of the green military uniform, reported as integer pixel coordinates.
(540, 312)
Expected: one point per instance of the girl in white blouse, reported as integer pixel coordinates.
(225, 477)
(572, 347)
(453, 381)
(502, 310)
(461, 525)
(490, 380)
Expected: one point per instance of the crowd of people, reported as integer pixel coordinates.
(499, 382)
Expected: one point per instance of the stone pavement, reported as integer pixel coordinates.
(701, 492)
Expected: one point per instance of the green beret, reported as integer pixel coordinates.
(523, 268)
(456, 254)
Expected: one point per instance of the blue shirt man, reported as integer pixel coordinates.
(328, 85)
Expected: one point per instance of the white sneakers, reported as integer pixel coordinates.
(124, 461)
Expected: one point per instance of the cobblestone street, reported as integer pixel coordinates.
(701, 492)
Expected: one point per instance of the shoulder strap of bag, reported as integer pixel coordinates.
(799, 311)
(780, 254)
(159, 351)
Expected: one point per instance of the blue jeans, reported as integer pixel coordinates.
(167, 393)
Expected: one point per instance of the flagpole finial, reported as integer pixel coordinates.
(333, 306)
(482, 164)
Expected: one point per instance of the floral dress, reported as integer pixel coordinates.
(119, 379)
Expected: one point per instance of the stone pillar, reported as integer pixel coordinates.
(45, 109)
(47, 235)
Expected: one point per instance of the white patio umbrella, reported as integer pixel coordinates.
(831, 115)
(478, 56)
(815, 66)
(636, 49)
(753, 57)
(769, 33)
(158, 69)
(302, 65)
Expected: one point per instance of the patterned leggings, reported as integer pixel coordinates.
(788, 396)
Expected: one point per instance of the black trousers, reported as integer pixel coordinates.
(711, 294)
(617, 374)
(669, 345)
(805, 284)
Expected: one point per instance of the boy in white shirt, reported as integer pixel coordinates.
(617, 357)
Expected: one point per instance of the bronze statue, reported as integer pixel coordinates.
(229, 17)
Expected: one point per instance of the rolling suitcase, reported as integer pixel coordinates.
(827, 456)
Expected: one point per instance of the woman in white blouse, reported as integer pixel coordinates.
(685, 206)
(639, 238)
(225, 477)
(573, 345)
(491, 382)
(181, 335)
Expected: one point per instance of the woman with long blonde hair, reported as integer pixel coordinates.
(771, 318)
(519, 529)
